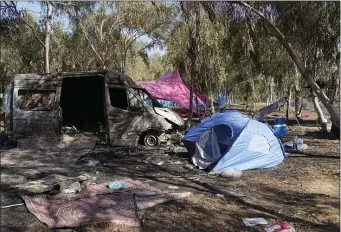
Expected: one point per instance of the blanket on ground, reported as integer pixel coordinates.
(97, 205)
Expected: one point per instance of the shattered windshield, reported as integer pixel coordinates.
(147, 97)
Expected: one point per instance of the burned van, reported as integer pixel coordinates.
(105, 103)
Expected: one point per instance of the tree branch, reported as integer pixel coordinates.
(280, 36)
(15, 11)
(87, 66)
(101, 30)
(300, 65)
(91, 45)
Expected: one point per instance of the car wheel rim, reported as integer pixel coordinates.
(151, 140)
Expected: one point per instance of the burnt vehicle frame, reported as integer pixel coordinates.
(107, 103)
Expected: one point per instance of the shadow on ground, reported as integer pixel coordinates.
(262, 193)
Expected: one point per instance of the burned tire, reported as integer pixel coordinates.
(151, 139)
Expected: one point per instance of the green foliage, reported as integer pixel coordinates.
(235, 51)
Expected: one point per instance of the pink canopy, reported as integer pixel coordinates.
(170, 87)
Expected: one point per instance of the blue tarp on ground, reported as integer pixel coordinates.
(233, 141)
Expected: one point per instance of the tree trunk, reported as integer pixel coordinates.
(335, 84)
(271, 90)
(298, 105)
(335, 115)
(289, 97)
(269, 98)
(212, 110)
(194, 33)
(47, 37)
(321, 119)
(189, 119)
(124, 63)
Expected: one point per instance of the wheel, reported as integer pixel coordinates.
(151, 140)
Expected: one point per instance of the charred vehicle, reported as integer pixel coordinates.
(106, 103)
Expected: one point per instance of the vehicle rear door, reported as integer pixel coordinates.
(36, 107)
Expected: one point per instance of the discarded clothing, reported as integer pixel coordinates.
(54, 183)
(97, 205)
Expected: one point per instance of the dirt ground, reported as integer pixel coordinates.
(304, 190)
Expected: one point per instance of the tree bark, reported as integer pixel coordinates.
(212, 110)
(271, 90)
(124, 62)
(321, 119)
(298, 105)
(335, 115)
(335, 83)
(289, 96)
(194, 33)
(47, 37)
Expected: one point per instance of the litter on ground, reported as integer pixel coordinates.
(254, 221)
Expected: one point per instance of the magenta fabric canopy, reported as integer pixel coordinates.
(170, 87)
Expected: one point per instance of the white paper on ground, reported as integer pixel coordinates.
(254, 221)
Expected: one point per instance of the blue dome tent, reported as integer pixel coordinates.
(233, 141)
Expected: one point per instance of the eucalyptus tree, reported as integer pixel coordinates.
(113, 29)
(19, 50)
(45, 41)
(300, 27)
(310, 33)
(191, 16)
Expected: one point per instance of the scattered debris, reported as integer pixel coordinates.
(231, 173)
(295, 146)
(69, 130)
(55, 183)
(93, 163)
(280, 226)
(177, 162)
(189, 167)
(179, 178)
(160, 163)
(254, 221)
(10, 206)
(73, 188)
(305, 115)
(196, 178)
(117, 185)
(146, 160)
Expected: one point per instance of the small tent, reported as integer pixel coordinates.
(233, 141)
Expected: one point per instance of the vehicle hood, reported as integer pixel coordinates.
(170, 115)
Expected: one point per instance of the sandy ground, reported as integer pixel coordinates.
(304, 190)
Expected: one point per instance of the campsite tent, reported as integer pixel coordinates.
(170, 87)
(233, 141)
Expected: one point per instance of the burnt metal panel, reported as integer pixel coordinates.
(125, 127)
(31, 122)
